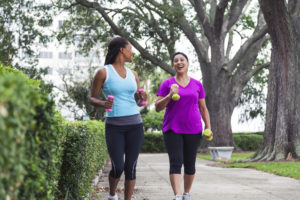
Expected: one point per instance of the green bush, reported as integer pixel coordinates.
(84, 154)
(30, 139)
(247, 141)
(33, 137)
(153, 143)
(153, 120)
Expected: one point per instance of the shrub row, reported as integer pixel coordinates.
(153, 142)
(85, 152)
(153, 120)
(33, 138)
(247, 141)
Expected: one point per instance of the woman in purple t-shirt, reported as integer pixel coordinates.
(182, 125)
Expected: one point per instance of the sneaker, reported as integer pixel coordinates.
(186, 196)
(115, 197)
(178, 197)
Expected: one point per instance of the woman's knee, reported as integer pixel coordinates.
(130, 172)
(189, 170)
(175, 168)
(116, 170)
(116, 173)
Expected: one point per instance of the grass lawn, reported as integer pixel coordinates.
(288, 169)
(234, 156)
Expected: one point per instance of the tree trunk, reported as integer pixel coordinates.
(296, 120)
(218, 99)
(281, 130)
(220, 111)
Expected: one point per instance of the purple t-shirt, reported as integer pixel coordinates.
(183, 116)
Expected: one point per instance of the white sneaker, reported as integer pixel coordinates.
(115, 197)
(186, 196)
(178, 197)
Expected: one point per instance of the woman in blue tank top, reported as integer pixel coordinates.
(123, 126)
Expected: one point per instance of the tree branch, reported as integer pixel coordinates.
(118, 31)
(191, 35)
(168, 41)
(247, 68)
(257, 35)
(229, 46)
(234, 14)
(293, 7)
(212, 11)
(255, 70)
(202, 18)
(219, 17)
(244, 75)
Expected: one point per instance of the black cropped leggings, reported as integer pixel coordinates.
(124, 140)
(182, 149)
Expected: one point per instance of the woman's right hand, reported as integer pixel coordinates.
(173, 90)
(108, 103)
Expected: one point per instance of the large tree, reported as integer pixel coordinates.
(20, 23)
(282, 130)
(153, 27)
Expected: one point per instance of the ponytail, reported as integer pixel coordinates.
(114, 48)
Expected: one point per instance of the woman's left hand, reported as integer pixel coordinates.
(144, 95)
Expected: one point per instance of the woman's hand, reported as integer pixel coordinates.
(173, 90)
(144, 95)
(211, 133)
(108, 103)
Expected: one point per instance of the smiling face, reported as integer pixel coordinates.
(180, 63)
(127, 52)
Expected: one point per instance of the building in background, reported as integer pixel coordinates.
(65, 64)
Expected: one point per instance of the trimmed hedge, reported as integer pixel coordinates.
(153, 120)
(30, 141)
(84, 154)
(247, 141)
(153, 142)
(33, 138)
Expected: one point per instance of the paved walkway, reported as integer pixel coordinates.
(211, 183)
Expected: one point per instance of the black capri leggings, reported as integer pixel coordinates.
(120, 140)
(182, 149)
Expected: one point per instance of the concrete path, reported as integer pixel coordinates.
(211, 183)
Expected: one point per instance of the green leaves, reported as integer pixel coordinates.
(30, 142)
(253, 98)
(19, 30)
(84, 153)
(153, 121)
(33, 137)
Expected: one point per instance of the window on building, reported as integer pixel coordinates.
(60, 23)
(46, 54)
(49, 71)
(63, 55)
(65, 71)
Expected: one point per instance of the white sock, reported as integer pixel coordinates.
(109, 195)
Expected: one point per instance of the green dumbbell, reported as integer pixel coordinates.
(175, 97)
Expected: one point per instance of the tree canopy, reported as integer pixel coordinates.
(155, 27)
(20, 27)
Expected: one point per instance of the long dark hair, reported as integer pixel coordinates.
(173, 56)
(114, 48)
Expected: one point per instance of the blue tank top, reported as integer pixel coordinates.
(123, 90)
